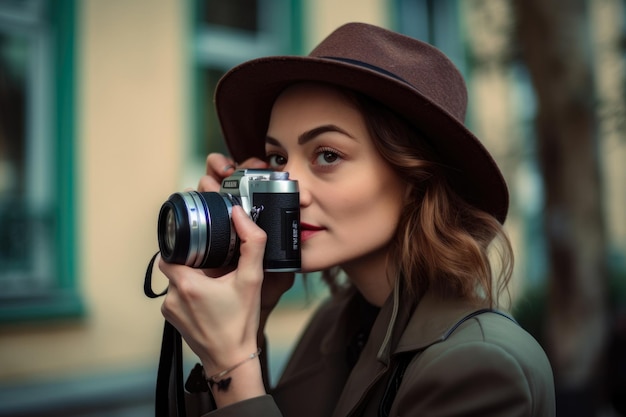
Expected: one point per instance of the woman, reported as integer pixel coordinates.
(401, 198)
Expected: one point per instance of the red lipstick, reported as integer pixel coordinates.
(308, 230)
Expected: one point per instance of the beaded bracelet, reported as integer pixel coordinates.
(223, 383)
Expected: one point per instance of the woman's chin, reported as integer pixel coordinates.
(313, 267)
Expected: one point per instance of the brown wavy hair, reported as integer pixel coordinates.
(442, 243)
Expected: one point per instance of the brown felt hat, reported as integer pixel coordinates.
(410, 77)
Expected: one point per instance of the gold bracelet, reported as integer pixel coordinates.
(223, 383)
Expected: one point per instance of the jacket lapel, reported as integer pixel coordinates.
(431, 321)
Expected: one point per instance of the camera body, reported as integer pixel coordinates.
(195, 228)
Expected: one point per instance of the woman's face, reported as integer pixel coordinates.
(350, 198)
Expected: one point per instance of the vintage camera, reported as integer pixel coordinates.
(195, 228)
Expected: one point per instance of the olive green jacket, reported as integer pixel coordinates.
(485, 366)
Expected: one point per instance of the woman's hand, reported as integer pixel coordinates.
(217, 311)
(218, 167)
(221, 313)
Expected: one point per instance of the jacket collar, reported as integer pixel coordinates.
(401, 326)
(432, 321)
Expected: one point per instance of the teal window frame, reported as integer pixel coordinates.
(280, 32)
(62, 299)
(436, 22)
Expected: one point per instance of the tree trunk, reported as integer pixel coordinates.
(554, 36)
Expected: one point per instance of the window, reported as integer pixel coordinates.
(36, 134)
(435, 22)
(226, 33)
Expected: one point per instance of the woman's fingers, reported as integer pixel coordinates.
(209, 184)
(219, 165)
(252, 247)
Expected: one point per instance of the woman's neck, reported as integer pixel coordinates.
(373, 276)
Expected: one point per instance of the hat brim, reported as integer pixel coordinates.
(245, 95)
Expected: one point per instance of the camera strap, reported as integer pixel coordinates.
(170, 395)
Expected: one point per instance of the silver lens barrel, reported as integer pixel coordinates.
(195, 229)
(199, 226)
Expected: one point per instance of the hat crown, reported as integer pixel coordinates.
(416, 63)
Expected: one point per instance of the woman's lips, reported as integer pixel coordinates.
(308, 230)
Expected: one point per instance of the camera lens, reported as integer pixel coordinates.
(195, 229)
(170, 231)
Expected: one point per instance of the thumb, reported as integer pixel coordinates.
(252, 247)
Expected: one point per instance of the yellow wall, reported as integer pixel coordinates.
(323, 16)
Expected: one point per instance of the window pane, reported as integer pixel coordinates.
(13, 56)
(210, 133)
(26, 222)
(238, 14)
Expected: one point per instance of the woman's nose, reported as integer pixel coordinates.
(296, 174)
(305, 196)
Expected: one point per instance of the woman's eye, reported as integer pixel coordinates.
(327, 157)
(276, 160)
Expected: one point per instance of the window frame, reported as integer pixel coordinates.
(435, 22)
(63, 299)
(280, 32)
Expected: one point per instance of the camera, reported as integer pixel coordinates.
(195, 228)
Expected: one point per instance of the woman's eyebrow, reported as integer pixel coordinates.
(311, 134)
(271, 141)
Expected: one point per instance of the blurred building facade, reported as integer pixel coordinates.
(106, 108)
